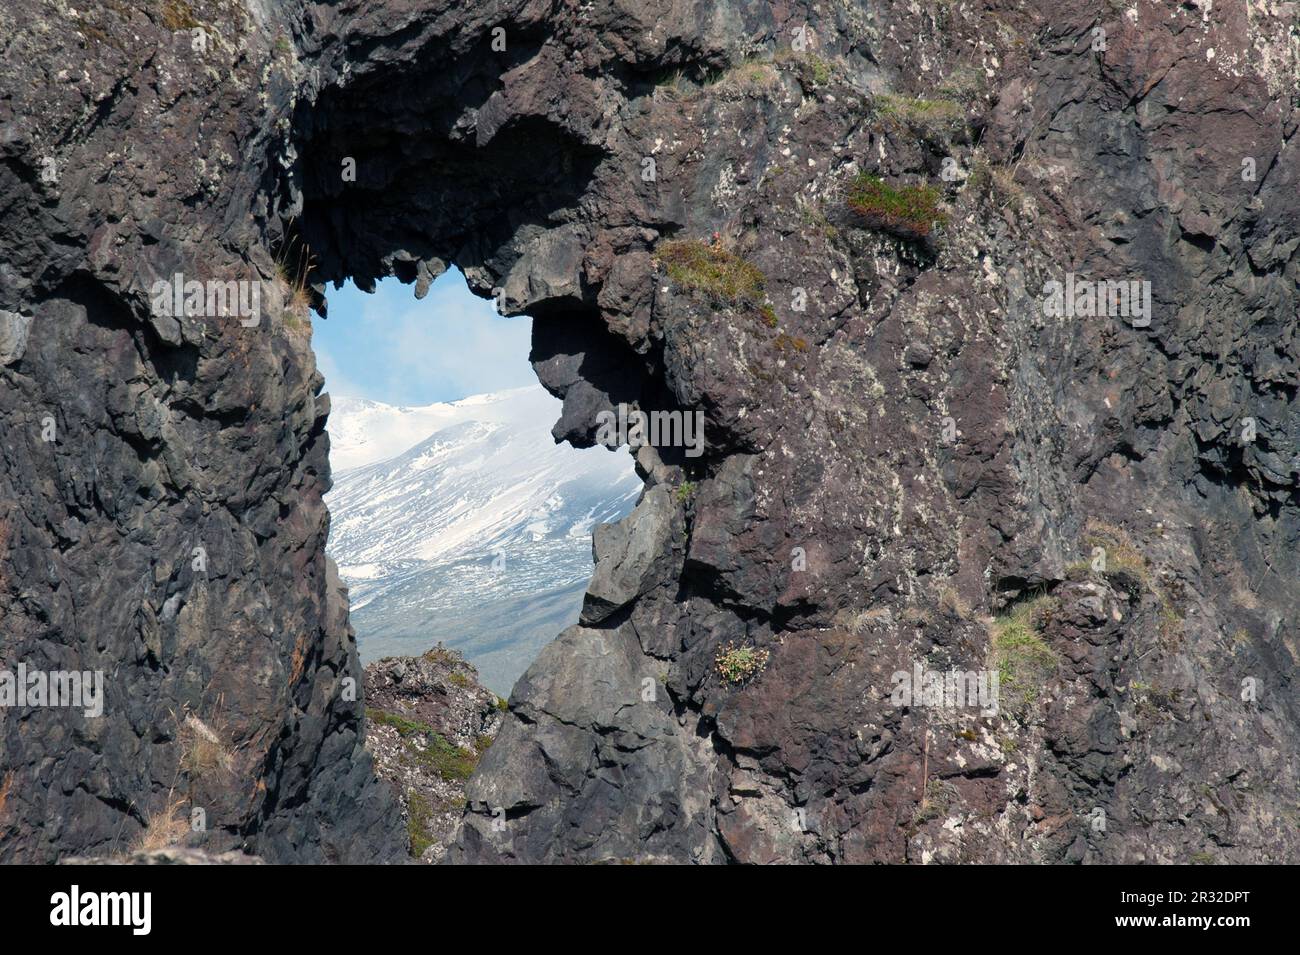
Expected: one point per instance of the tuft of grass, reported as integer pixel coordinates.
(685, 491)
(935, 803)
(178, 15)
(932, 118)
(752, 77)
(405, 727)
(1021, 656)
(725, 278)
(450, 762)
(1122, 555)
(440, 654)
(293, 267)
(203, 753)
(858, 622)
(909, 212)
(813, 70)
(951, 602)
(419, 820)
(996, 184)
(1170, 622)
(164, 829)
(736, 664)
(964, 84)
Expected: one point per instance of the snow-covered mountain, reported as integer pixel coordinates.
(464, 522)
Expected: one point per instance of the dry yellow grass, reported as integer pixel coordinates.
(163, 829)
(202, 750)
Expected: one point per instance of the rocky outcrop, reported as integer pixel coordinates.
(909, 458)
(430, 721)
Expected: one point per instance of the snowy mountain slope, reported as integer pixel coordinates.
(464, 521)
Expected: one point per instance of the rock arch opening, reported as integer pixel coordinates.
(455, 517)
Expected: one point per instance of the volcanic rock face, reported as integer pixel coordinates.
(902, 440)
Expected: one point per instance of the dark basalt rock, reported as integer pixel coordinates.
(902, 453)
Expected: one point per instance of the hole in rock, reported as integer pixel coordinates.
(455, 517)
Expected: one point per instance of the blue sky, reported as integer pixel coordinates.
(391, 348)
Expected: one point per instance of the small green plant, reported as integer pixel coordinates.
(995, 184)
(752, 77)
(426, 747)
(503, 704)
(685, 491)
(1170, 623)
(419, 820)
(442, 757)
(405, 727)
(963, 85)
(821, 70)
(736, 664)
(812, 69)
(1121, 554)
(935, 803)
(909, 212)
(722, 276)
(1021, 656)
(1203, 858)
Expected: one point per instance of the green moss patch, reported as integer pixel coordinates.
(933, 118)
(1021, 656)
(427, 748)
(419, 822)
(909, 212)
(722, 276)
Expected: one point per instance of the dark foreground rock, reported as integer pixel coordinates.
(828, 228)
